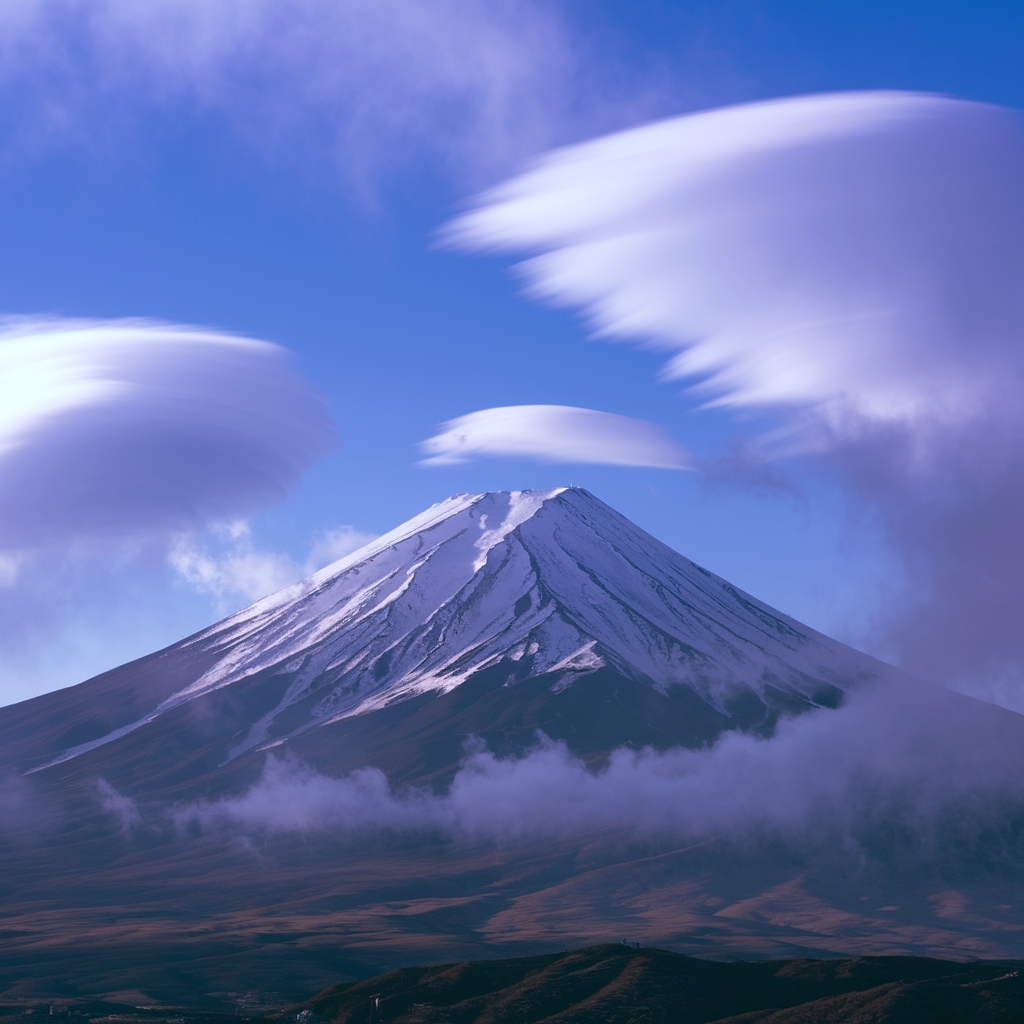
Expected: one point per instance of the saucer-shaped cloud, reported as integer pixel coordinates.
(119, 429)
(864, 249)
(554, 433)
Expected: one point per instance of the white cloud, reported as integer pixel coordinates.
(554, 433)
(928, 766)
(241, 572)
(113, 430)
(120, 806)
(229, 566)
(860, 249)
(467, 82)
(66, 615)
(852, 263)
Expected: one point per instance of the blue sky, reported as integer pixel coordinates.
(244, 190)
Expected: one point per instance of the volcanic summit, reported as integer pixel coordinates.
(498, 613)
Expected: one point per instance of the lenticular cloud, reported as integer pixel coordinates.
(554, 433)
(854, 263)
(129, 428)
(822, 249)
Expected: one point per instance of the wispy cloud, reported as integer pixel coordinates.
(66, 615)
(367, 83)
(554, 433)
(122, 807)
(852, 263)
(229, 566)
(122, 430)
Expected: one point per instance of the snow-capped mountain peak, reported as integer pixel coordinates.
(542, 582)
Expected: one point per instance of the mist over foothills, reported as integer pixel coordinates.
(870, 786)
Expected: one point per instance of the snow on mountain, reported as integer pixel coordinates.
(541, 581)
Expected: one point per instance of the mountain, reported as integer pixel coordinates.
(491, 617)
(547, 609)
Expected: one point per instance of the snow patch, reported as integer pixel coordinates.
(522, 506)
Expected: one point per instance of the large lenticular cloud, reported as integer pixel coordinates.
(121, 429)
(853, 262)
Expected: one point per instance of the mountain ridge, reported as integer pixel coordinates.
(616, 983)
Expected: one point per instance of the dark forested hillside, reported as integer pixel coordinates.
(616, 984)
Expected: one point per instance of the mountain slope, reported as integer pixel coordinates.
(503, 586)
(614, 984)
(494, 615)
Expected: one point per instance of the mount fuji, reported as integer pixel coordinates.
(496, 614)
(367, 689)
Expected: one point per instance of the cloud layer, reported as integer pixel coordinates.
(554, 433)
(128, 429)
(853, 263)
(906, 764)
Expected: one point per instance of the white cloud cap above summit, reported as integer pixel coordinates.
(554, 433)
